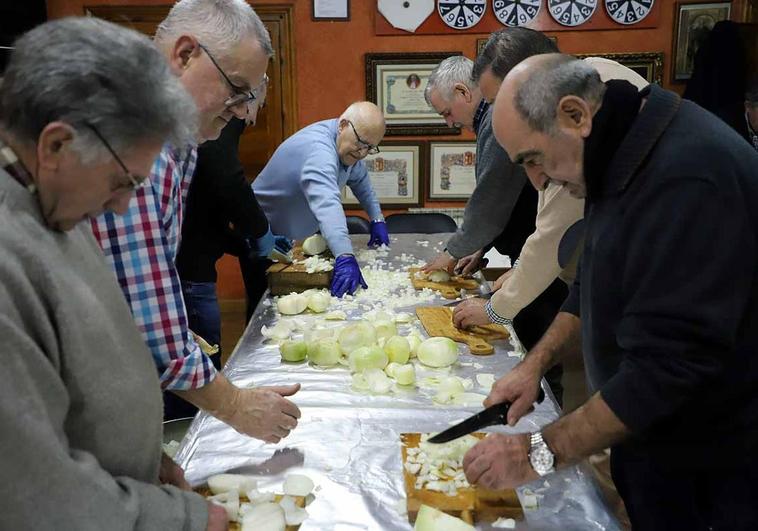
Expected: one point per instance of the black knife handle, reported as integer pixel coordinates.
(504, 407)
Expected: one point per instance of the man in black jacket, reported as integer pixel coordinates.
(665, 308)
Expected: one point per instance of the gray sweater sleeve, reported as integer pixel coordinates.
(498, 185)
(50, 485)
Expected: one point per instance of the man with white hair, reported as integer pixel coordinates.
(664, 308)
(85, 107)
(219, 50)
(300, 187)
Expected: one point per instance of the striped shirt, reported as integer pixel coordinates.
(141, 247)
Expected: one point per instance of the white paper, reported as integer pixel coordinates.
(330, 8)
(406, 15)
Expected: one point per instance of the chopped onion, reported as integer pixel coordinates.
(293, 351)
(405, 375)
(314, 245)
(385, 329)
(404, 318)
(377, 381)
(336, 315)
(225, 482)
(504, 523)
(431, 519)
(398, 349)
(259, 496)
(390, 368)
(229, 500)
(298, 485)
(414, 342)
(438, 352)
(486, 381)
(319, 301)
(264, 517)
(293, 515)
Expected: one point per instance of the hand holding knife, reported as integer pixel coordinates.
(493, 415)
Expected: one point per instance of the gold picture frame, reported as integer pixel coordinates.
(647, 64)
(693, 24)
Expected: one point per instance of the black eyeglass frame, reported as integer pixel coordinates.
(136, 183)
(241, 96)
(369, 148)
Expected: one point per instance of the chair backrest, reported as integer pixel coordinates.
(357, 225)
(422, 223)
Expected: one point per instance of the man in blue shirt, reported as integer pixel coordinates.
(300, 187)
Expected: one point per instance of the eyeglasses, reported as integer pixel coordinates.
(241, 96)
(363, 145)
(135, 183)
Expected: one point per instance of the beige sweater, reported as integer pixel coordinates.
(80, 403)
(556, 212)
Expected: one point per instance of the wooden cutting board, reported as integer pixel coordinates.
(472, 505)
(283, 278)
(438, 322)
(203, 490)
(450, 289)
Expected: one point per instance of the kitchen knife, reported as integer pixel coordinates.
(493, 415)
(486, 296)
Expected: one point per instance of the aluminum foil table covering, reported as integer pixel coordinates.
(348, 442)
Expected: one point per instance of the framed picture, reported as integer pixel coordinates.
(330, 10)
(396, 173)
(396, 83)
(647, 64)
(694, 23)
(481, 42)
(451, 170)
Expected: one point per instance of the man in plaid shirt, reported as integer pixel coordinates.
(221, 64)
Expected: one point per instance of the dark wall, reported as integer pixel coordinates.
(16, 17)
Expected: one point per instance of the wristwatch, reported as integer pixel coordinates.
(540, 456)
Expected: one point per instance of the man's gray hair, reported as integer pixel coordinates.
(86, 71)
(218, 24)
(454, 69)
(559, 76)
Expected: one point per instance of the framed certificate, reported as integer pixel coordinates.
(396, 83)
(396, 174)
(451, 170)
(330, 10)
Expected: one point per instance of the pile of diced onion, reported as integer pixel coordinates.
(439, 467)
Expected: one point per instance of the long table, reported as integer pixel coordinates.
(348, 442)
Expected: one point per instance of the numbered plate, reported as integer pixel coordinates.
(461, 14)
(571, 12)
(628, 11)
(516, 12)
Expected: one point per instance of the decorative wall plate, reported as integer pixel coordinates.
(571, 12)
(628, 11)
(461, 14)
(516, 12)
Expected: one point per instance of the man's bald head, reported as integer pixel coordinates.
(360, 130)
(544, 112)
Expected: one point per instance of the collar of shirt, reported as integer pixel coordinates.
(481, 110)
(10, 162)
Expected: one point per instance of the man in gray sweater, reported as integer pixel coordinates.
(85, 107)
(502, 199)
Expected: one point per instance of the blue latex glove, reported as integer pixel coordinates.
(260, 247)
(283, 244)
(379, 234)
(347, 276)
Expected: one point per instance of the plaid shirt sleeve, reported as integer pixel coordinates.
(141, 248)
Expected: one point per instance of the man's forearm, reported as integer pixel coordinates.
(590, 429)
(562, 338)
(217, 398)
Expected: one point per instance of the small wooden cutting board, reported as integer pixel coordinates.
(203, 490)
(284, 279)
(472, 505)
(450, 289)
(438, 322)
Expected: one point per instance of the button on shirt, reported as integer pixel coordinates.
(141, 247)
(300, 187)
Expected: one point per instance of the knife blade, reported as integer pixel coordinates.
(486, 296)
(497, 414)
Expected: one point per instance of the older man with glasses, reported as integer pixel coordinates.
(300, 187)
(85, 107)
(219, 50)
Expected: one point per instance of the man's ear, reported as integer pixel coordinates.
(574, 114)
(185, 49)
(463, 90)
(52, 143)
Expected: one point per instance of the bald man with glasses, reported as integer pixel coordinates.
(300, 187)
